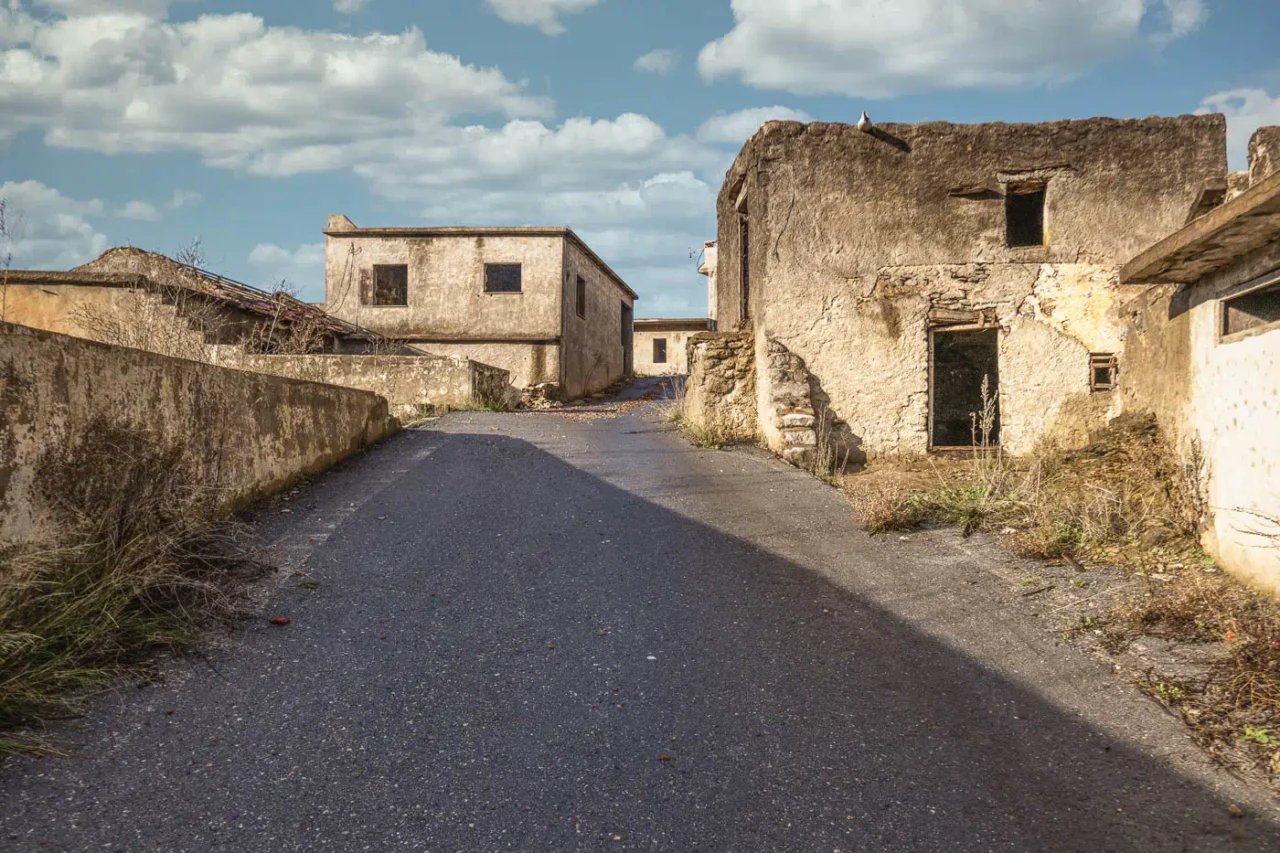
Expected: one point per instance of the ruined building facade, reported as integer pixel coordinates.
(884, 279)
(536, 302)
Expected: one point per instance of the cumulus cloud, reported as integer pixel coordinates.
(47, 229)
(300, 270)
(183, 198)
(543, 14)
(1246, 110)
(140, 211)
(660, 61)
(873, 49)
(349, 7)
(737, 128)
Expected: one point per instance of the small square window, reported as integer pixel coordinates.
(582, 297)
(1024, 214)
(659, 350)
(390, 285)
(502, 278)
(1254, 309)
(1103, 372)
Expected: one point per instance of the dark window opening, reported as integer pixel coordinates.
(502, 278)
(390, 285)
(964, 388)
(1104, 372)
(627, 321)
(582, 297)
(1024, 214)
(1251, 310)
(659, 350)
(744, 239)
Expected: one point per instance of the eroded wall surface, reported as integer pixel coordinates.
(720, 393)
(527, 364)
(248, 433)
(856, 241)
(592, 353)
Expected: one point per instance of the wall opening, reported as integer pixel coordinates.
(1252, 310)
(390, 285)
(1024, 214)
(582, 297)
(1104, 371)
(628, 334)
(659, 350)
(744, 241)
(964, 387)
(502, 278)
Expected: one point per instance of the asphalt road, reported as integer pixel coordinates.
(537, 633)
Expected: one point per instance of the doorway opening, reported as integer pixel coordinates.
(964, 388)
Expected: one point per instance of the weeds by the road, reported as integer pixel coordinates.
(1123, 501)
(144, 562)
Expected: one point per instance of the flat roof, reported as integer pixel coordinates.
(674, 324)
(500, 231)
(1249, 221)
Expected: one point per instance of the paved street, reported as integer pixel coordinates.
(541, 633)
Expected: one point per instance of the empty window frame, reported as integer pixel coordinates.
(390, 285)
(659, 350)
(1254, 310)
(1024, 214)
(502, 278)
(581, 299)
(1104, 372)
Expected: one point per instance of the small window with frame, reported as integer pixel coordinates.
(582, 297)
(1104, 372)
(659, 350)
(390, 286)
(1255, 310)
(503, 278)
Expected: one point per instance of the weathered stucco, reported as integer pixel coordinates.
(247, 433)
(676, 333)
(861, 242)
(592, 356)
(720, 391)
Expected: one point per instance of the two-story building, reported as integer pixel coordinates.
(537, 302)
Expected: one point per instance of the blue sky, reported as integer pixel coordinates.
(246, 123)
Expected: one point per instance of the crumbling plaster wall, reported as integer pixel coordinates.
(720, 393)
(592, 354)
(247, 433)
(855, 236)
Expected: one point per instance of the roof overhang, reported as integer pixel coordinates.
(1249, 221)
(676, 324)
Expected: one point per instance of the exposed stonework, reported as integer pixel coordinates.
(721, 388)
(793, 414)
(1264, 154)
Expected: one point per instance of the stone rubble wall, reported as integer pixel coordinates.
(720, 393)
(794, 419)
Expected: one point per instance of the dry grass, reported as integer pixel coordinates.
(144, 562)
(1123, 501)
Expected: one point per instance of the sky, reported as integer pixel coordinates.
(243, 123)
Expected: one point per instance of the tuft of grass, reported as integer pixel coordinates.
(144, 562)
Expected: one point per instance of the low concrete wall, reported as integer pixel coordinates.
(409, 383)
(720, 394)
(250, 434)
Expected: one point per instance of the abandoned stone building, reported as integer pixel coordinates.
(662, 346)
(1202, 351)
(886, 279)
(536, 302)
(144, 300)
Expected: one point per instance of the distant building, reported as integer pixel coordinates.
(662, 346)
(536, 302)
(707, 266)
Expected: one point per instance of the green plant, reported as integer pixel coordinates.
(1260, 736)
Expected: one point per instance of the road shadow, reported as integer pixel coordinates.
(505, 651)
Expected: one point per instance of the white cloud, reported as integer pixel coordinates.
(737, 128)
(48, 230)
(543, 14)
(1246, 111)
(183, 198)
(234, 90)
(873, 49)
(349, 7)
(660, 61)
(140, 211)
(299, 270)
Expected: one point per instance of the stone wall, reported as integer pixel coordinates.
(409, 383)
(248, 433)
(721, 389)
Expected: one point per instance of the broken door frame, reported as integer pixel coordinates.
(946, 320)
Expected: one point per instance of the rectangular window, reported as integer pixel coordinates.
(659, 350)
(1024, 214)
(502, 278)
(1104, 371)
(744, 238)
(390, 285)
(1255, 309)
(582, 297)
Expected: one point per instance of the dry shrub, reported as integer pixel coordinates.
(143, 562)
